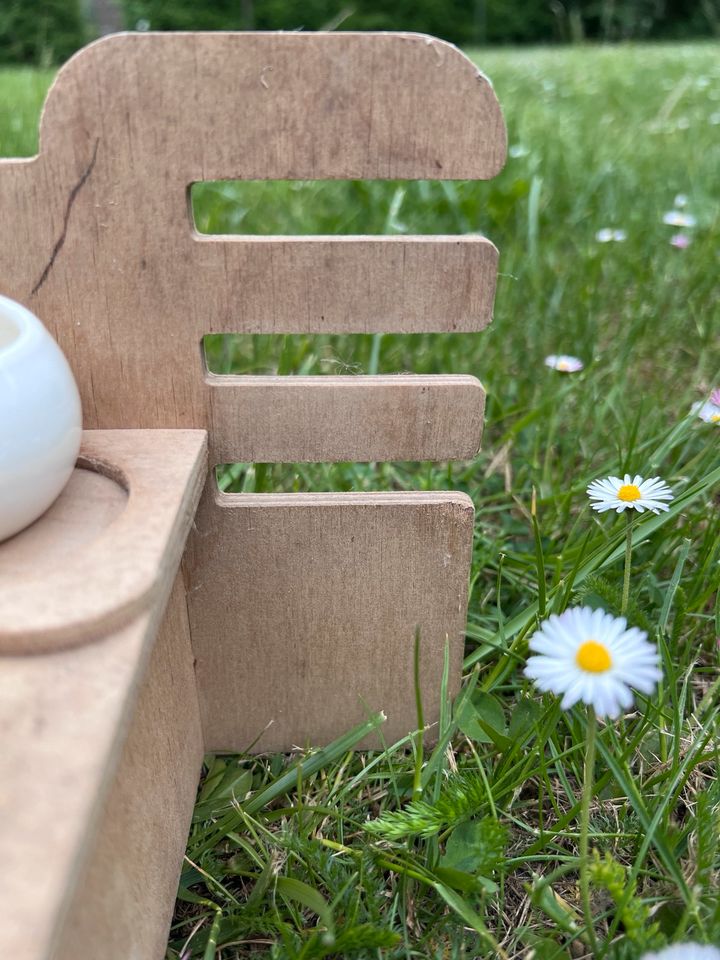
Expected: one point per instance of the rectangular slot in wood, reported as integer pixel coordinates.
(335, 207)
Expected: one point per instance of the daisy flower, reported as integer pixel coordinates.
(708, 411)
(715, 397)
(564, 363)
(676, 218)
(685, 951)
(607, 234)
(681, 241)
(589, 655)
(631, 493)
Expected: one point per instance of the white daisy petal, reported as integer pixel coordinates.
(590, 656)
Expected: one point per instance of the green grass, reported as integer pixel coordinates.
(485, 861)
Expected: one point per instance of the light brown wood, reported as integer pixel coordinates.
(103, 247)
(263, 419)
(123, 901)
(303, 612)
(64, 719)
(99, 556)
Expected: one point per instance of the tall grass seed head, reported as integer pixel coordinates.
(630, 493)
(590, 656)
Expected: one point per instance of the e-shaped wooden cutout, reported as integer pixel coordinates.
(103, 248)
(102, 743)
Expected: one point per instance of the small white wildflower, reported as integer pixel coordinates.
(681, 241)
(708, 411)
(590, 656)
(676, 218)
(680, 201)
(608, 235)
(564, 363)
(632, 493)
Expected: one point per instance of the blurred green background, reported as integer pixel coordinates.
(45, 32)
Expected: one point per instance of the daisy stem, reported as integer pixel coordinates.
(628, 558)
(589, 781)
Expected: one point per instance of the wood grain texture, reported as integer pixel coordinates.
(103, 248)
(123, 901)
(303, 611)
(63, 721)
(100, 555)
(406, 417)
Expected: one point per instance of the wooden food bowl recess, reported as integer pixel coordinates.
(148, 618)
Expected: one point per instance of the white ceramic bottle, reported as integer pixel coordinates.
(40, 418)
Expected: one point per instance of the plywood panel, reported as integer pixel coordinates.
(123, 901)
(303, 613)
(63, 719)
(295, 419)
(103, 247)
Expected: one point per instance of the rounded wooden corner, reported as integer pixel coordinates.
(422, 85)
(112, 541)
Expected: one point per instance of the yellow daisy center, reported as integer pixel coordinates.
(715, 418)
(593, 657)
(629, 492)
(563, 365)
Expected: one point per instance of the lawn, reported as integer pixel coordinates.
(474, 847)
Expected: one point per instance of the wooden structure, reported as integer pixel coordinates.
(290, 615)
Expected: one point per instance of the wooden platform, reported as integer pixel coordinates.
(112, 726)
(98, 557)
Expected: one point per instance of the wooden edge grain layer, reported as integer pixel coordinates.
(395, 498)
(122, 904)
(64, 720)
(274, 419)
(105, 579)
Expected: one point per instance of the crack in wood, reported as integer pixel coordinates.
(61, 239)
